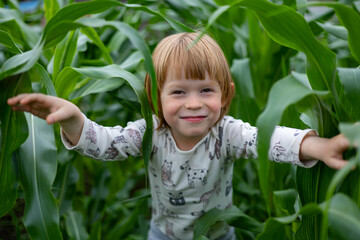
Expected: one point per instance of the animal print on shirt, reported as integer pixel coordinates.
(136, 137)
(194, 174)
(176, 199)
(278, 152)
(91, 134)
(218, 144)
(162, 209)
(111, 151)
(169, 143)
(169, 229)
(206, 196)
(166, 174)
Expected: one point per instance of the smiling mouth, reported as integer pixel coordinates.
(194, 118)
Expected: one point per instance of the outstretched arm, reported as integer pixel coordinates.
(328, 150)
(52, 109)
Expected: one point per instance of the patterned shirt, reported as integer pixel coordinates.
(186, 184)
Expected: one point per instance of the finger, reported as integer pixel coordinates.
(16, 99)
(337, 163)
(37, 98)
(344, 143)
(57, 116)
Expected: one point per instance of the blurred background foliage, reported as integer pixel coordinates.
(294, 63)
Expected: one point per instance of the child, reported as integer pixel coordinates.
(194, 143)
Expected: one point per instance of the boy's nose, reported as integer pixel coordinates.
(193, 102)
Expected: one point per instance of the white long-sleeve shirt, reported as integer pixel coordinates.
(186, 184)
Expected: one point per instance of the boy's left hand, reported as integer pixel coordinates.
(328, 150)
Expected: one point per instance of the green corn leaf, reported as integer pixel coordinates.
(21, 62)
(352, 132)
(275, 226)
(37, 167)
(123, 226)
(65, 186)
(350, 96)
(13, 133)
(243, 221)
(8, 42)
(75, 225)
(92, 34)
(51, 7)
(65, 53)
(288, 28)
(53, 31)
(284, 93)
(137, 41)
(344, 217)
(39, 73)
(350, 19)
(245, 96)
(96, 86)
(11, 21)
(338, 31)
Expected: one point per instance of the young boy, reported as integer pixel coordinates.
(194, 143)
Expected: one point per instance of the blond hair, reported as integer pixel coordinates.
(177, 54)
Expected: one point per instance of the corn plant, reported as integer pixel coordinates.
(291, 66)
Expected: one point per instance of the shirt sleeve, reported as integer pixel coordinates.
(284, 144)
(108, 143)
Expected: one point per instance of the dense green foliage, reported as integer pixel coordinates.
(294, 63)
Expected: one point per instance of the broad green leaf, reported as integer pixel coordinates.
(338, 177)
(338, 31)
(96, 86)
(37, 168)
(137, 41)
(352, 132)
(38, 73)
(13, 133)
(66, 81)
(68, 14)
(123, 226)
(64, 186)
(51, 7)
(63, 22)
(95, 232)
(8, 42)
(11, 21)
(275, 226)
(288, 28)
(132, 61)
(64, 53)
(243, 221)
(98, 196)
(92, 34)
(243, 105)
(75, 225)
(350, 96)
(349, 19)
(284, 93)
(284, 201)
(21, 62)
(344, 217)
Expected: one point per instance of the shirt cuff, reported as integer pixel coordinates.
(65, 140)
(308, 163)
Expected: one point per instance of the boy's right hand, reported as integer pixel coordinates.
(52, 109)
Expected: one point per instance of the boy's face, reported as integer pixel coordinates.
(190, 108)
